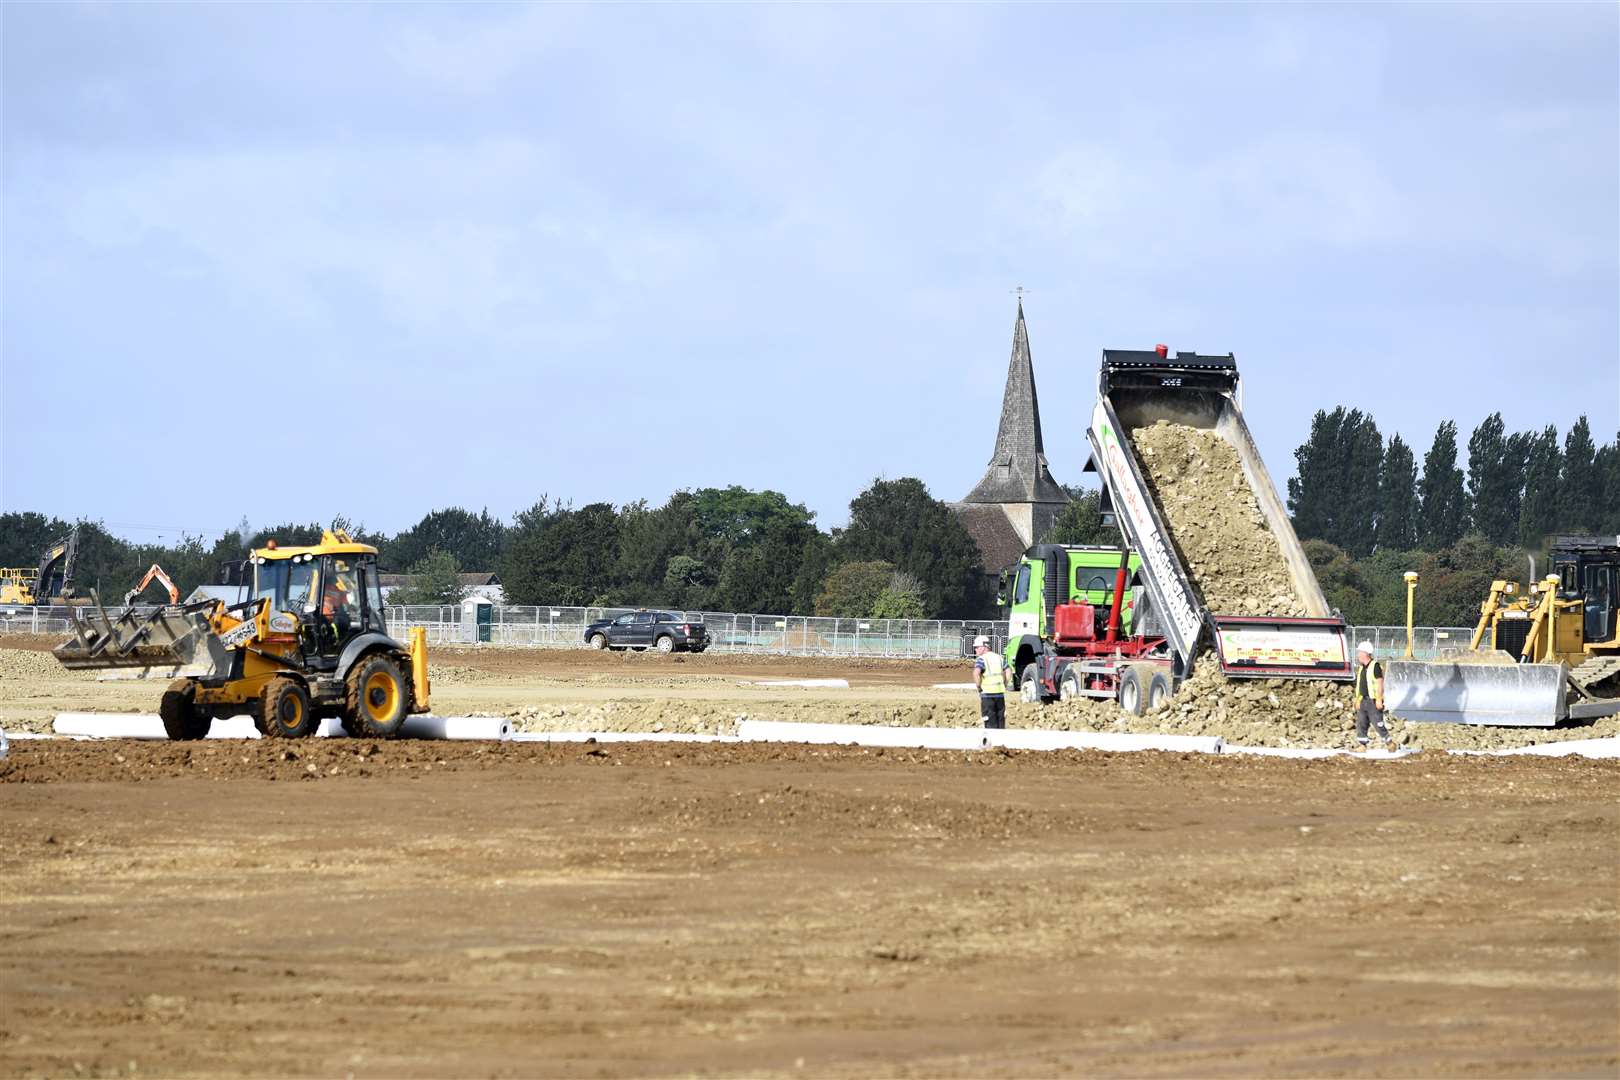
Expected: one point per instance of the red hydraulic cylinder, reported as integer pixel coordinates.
(1119, 597)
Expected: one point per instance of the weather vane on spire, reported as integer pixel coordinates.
(1019, 292)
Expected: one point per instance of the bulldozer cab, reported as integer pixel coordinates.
(1588, 571)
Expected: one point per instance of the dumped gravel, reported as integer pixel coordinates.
(1234, 561)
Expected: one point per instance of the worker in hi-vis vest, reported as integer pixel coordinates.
(1369, 697)
(990, 677)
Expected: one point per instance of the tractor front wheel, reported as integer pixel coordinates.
(183, 719)
(378, 699)
(285, 713)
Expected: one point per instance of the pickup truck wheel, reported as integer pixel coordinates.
(666, 644)
(1130, 691)
(1029, 686)
(598, 642)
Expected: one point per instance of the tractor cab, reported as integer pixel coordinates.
(326, 593)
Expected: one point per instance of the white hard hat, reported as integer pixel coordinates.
(981, 641)
(1366, 647)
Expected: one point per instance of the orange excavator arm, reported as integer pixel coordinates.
(154, 574)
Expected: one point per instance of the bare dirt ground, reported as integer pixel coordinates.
(579, 690)
(416, 909)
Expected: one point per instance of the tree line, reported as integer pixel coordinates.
(1368, 512)
(903, 554)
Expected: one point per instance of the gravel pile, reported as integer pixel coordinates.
(1234, 561)
(29, 664)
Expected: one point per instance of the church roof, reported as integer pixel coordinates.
(1018, 472)
(993, 534)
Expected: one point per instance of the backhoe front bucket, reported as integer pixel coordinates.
(168, 640)
(1507, 695)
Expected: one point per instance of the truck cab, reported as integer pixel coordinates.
(1050, 575)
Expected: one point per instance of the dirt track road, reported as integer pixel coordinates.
(434, 909)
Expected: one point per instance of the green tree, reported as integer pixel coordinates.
(900, 523)
(738, 515)
(1538, 508)
(1334, 494)
(288, 534)
(1578, 509)
(1336, 573)
(434, 579)
(557, 555)
(1496, 464)
(1080, 522)
(476, 540)
(901, 598)
(1442, 502)
(24, 536)
(1607, 462)
(1314, 490)
(851, 590)
(1397, 497)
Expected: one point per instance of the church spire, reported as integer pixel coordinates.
(1018, 472)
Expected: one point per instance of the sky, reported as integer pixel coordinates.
(285, 262)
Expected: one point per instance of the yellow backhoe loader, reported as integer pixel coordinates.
(1538, 657)
(309, 641)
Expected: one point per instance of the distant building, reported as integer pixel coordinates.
(1017, 500)
(231, 594)
(484, 586)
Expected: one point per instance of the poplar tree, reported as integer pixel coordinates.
(1442, 503)
(1538, 510)
(1578, 505)
(1397, 498)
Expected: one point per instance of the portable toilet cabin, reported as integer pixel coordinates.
(477, 617)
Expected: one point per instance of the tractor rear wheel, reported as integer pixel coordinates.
(378, 698)
(285, 713)
(183, 719)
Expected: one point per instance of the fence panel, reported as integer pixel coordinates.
(561, 627)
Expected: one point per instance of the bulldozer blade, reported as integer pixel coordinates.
(137, 642)
(1506, 695)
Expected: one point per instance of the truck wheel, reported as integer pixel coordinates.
(285, 713)
(1069, 685)
(598, 642)
(1131, 697)
(183, 719)
(1029, 685)
(377, 698)
(1158, 690)
(666, 644)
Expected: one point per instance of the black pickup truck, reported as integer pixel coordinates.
(661, 630)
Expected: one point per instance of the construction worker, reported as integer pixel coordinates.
(340, 601)
(1370, 697)
(990, 678)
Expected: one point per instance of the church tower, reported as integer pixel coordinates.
(1017, 500)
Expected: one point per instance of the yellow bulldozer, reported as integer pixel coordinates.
(306, 640)
(1539, 656)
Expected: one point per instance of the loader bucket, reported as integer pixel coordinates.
(1446, 691)
(139, 642)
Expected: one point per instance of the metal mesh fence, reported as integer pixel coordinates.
(785, 635)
